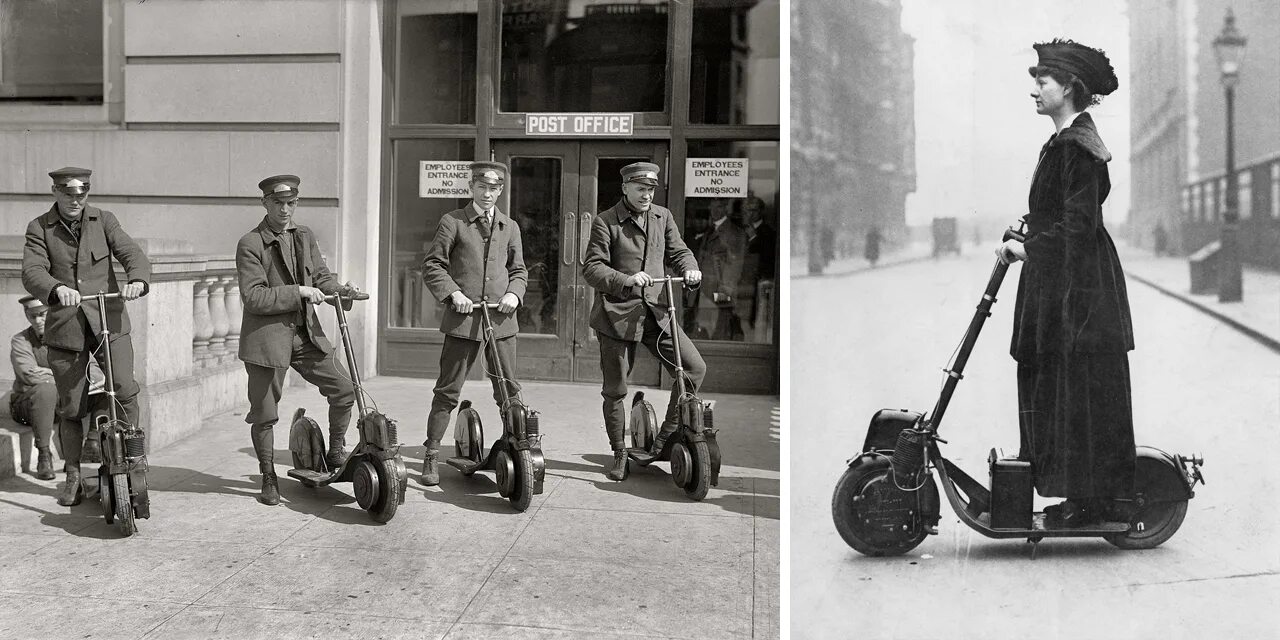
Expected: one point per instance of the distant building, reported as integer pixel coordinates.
(1178, 130)
(852, 125)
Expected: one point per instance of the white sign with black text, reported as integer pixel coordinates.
(444, 179)
(715, 178)
(579, 124)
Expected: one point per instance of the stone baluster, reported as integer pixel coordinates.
(201, 324)
(217, 317)
(234, 310)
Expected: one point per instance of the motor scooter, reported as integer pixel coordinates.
(886, 502)
(121, 481)
(516, 457)
(692, 448)
(374, 466)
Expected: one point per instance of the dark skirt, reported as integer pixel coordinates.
(1076, 424)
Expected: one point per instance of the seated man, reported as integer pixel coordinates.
(34, 394)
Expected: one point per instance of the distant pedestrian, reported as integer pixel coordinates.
(1072, 329)
(872, 248)
(1161, 238)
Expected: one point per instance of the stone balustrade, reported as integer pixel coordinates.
(185, 334)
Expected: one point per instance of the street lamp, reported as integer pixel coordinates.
(1229, 48)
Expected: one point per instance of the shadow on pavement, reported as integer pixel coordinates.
(748, 495)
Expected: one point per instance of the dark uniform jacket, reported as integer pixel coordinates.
(30, 359)
(619, 248)
(52, 257)
(269, 292)
(462, 259)
(1071, 294)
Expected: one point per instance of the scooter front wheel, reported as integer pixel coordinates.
(1152, 525)
(124, 508)
(384, 507)
(873, 515)
(522, 493)
(699, 471)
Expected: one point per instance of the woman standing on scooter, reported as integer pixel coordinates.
(1072, 328)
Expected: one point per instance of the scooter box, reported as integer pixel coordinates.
(1011, 484)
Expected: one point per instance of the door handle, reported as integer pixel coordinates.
(584, 236)
(566, 251)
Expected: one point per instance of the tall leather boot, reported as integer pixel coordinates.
(91, 452)
(337, 453)
(664, 433)
(430, 468)
(270, 489)
(71, 492)
(44, 464)
(619, 470)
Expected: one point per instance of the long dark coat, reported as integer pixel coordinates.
(269, 293)
(52, 257)
(617, 249)
(462, 259)
(1072, 328)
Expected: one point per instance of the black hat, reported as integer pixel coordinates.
(643, 172)
(489, 172)
(71, 180)
(283, 185)
(32, 305)
(1090, 65)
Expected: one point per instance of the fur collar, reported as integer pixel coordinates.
(1083, 133)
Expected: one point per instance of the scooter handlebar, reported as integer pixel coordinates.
(658, 281)
(475, 306)
(359, 295)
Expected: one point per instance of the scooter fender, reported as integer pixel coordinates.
(1160, 477)
(882, 433)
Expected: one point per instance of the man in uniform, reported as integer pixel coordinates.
(34, 396)
(722, 253)
(282, 276)
(476, 257)
(632, 243)
(68, 250)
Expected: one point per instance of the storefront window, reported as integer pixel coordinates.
(735, 72)
(436, 65)
(535, 204)
(584, 55)
(51, 51)
(735, 238)
(414, 219)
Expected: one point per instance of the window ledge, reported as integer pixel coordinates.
(16, 115)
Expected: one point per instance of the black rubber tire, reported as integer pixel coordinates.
(700, 473)
(389, 486)
(1160, 521)
(476, 431)
(124, 507)
(104, 495)
(522, 493)
(856, 479)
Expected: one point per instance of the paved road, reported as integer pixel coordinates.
(878, 339)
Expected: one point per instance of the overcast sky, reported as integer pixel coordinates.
(977, 132)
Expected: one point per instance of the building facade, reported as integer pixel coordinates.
(1178, 116)
(852, 126)
(375, 105)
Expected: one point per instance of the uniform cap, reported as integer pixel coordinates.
(283, 185)
(643, 172)
(71, 180)
(32, 305)
(489, 172)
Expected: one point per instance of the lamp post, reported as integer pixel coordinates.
(1229, 49)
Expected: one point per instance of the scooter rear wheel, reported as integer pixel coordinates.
(1152, 525)
(867, 488)
(522, 493)
(124, 508)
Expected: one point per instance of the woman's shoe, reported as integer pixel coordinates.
(1071, 513)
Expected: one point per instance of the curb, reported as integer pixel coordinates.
(882, 266)
(1262, 338)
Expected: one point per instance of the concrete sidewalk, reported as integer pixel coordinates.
(1257, 315)
(589, 559)
(853, 264)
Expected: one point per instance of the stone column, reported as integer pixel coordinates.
(202, 325)
(234, 311)
(217, 317)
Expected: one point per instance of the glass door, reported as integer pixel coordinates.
(555, 190)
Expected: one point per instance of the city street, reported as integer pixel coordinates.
(876, 339)
(590, 558)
